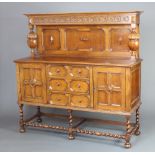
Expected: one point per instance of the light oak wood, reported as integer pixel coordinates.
(82, 61)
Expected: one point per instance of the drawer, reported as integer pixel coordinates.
(80, 101)
(85, 39)
(51, 39)
(79, 86)
(58, 99)
(57, 85)
(79, 72)
(56, 71)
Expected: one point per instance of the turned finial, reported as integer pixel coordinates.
(134, 39)
(32, 39)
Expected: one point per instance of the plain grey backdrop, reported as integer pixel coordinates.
(13, 31)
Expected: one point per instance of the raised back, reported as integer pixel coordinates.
(102, 34)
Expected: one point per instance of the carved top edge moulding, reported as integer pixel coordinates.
(85, 18)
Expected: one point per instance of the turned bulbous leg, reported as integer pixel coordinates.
(21, 121)
(70, 131)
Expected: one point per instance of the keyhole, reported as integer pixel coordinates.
(58, 84)
(79, 71)
(120, 40)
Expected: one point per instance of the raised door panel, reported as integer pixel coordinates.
(79, 86)
(119, 39)
(80, 101)
(109, 88)
(59, 99)
(58, 85)
(85, 39)
(56, 71)
(51, 39)
(33, 87)
(81, 72)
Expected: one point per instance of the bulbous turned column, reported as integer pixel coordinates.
(134, 42)
(32, 40)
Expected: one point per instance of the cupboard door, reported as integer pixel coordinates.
(119, 39)
(51, 39)
(109, 88)
(33, 88)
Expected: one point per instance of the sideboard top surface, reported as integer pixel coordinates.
(79, 61)
(75, 13)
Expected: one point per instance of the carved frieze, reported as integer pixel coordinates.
(81, 19)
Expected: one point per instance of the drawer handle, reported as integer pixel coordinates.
(80, 101)
(51, 39)
(79, 86)
(59, 99)
(58, 84)
(79, 71)
(58, 70)
(84, 39)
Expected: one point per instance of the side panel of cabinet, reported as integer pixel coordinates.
(109, 88)
(32, 83)
(135, 84)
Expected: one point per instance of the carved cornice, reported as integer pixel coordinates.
(81, 19)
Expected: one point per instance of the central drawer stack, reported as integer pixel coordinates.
(69, 85)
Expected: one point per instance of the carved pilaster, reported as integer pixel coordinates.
(134, 39)
(32, 39)
(127, 136)
(21, 121)
(70, 129)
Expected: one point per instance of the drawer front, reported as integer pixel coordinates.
(57, 85)
(56, 71)
(80, 101)
(58, 99)
(85, 39)
(79, 72)
(51, 39)
(73, 80)
(78, 86)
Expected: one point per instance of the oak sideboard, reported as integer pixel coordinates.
(88, 62)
